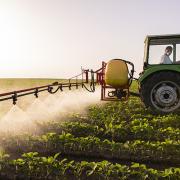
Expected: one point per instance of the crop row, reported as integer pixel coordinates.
(167, 151)
(121, 132)
(117, 112)
(32, 166)
(136, 129)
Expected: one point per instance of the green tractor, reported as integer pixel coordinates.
(159, 83)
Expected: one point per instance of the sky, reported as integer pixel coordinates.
(55, 38)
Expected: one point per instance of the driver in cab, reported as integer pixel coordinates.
(165, 59)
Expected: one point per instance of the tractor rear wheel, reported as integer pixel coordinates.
(161, 92)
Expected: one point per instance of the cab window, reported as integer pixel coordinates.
(156, 52)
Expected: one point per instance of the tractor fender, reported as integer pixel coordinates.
(156, 69)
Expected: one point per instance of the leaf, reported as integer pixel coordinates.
(135, 165)
(56, 155)
(93, 169)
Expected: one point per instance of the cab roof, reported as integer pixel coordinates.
(166, 37)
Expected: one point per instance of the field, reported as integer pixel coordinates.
(114, 140)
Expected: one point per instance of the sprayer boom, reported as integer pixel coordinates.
(80, 80)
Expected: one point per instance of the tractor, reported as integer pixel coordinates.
(159, 83)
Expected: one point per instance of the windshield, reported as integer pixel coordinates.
(162, 50)
(159, 54)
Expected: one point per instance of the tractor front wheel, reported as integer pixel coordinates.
(161, 92)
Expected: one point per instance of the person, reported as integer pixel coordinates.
(165, 59)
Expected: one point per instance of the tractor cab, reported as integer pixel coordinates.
(155, 50)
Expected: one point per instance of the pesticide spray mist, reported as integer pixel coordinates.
(52, 108)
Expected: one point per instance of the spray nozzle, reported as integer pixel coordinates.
(36, 93)
(60, 87)
(70, 86)
(76, 86)
(14, 98)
